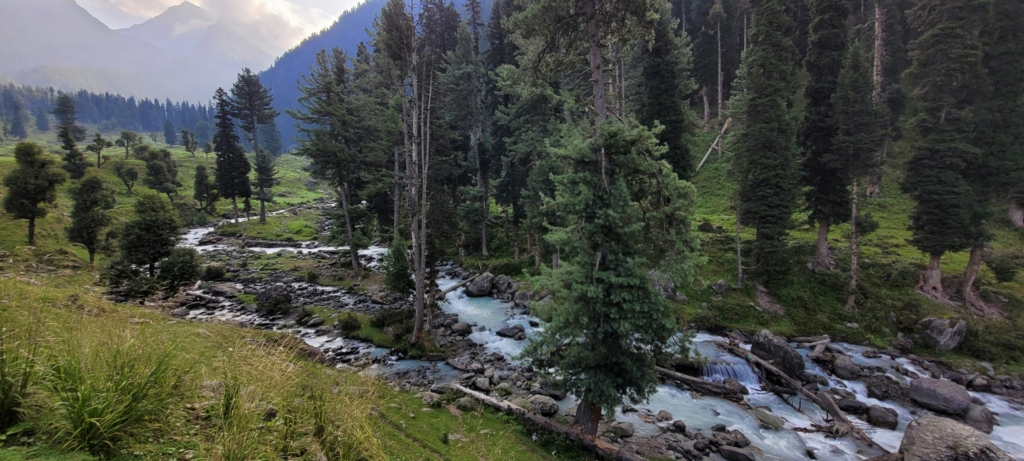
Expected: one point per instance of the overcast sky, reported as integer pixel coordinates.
(291, 20)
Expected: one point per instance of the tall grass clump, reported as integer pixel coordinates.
(19, 372)
(106, 393)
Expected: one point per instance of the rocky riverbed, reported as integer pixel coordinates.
(900, 401)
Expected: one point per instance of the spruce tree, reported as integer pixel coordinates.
(661, 90)
(42, 120)
(765, 149)
(32, 185)
(92, 199)
(161, 171)
(266, 178)
(65, 109)
(232, 166)
(204, 191)
(252, 105)
(946, 79)
(151, 234)
(859, 123)
(271, 137)
(170, 136)
(826, 197)
(74, 161)
(18, 121)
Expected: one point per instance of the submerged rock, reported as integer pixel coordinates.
(844, 368)
(774, 348)
(940, 395)
(934, 438)
(883, 417)
(511, 331)
(938, 334)
(462, 328)
(980, 418)
(768, 419)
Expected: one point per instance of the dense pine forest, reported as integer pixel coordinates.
(535, 229)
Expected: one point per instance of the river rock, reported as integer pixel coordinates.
(774, 348)
(502, 285)
(179, 312)
(621, 429)
(465, 404)
(844, 368)
(735, 386)
(732, 438)
(768, 419)
(883, 417)
(934, 438)
(543, 404)
(511, 331)
(521, 298)
(274, 298)
(223, 290)
(851, 405)
(663, 416)
(678, 426)
(720, 286)
(938, 334)
(737, 454)
(462, 329)
(940, 395)
(480, 286)
(980, 418)
(483, 384)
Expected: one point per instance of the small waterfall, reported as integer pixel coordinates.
(720, 371)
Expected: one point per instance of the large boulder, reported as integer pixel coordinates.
(844, 368)
(938, 334)
(934, 438)
(462, 328)
(480, 286)
(543, 404)
(522, 297)
(737, 454)
(622, 429)
(883, 417)
(731, 438)
(663, 283)
(775, 349)
(502, 285)
(511, 331)
(940, 395)
(980, 418)
(274, 299)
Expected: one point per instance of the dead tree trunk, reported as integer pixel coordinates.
(970, 275)
(822, 254)
(721, 103)
(597, 79)
(702, 386)
(854, 249)
(874, 189)
(707, 108)
(397, 196)
(475, 142)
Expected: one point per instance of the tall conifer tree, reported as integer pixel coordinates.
(252, 105)
(232, 166)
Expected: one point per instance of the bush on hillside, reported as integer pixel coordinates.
(349, 323)
(1004, 266)
(397, 275)
(179, 269)
(213, 272)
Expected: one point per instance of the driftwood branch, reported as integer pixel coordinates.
(600, 447)
(702, 386)
(459, 285)
(717, 140)
(841, 424)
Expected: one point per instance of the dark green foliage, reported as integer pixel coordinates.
(98, 144)
(826, 197)
(161, 170)
(766, 159)
(19, 120)
(266, 178)
(204, 132)
(661, 90)
(397, 275)
(170, 136)
(252, 105)
(42, 120)
(270, 137)
(151, 234)
(947, 78)
(19, 374)
(232, 166)
(32, 186)
(1004, 266)
(205, 191)
(858, 122)
(65, 110)
(74, 161)
(212, 272)
(127, 174)
(189, 142)
(349, 323)
(607, 322)
(89, 215)
(180, 268)
(128, 141)
(398, 322)
(312, 277)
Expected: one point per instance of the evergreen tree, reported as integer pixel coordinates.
(397, 277)
(32, 185)
(232, 166)
(607, 320)
(271, 137)
(189, 142)
(74, 161)
(98, 144)
(170, 136)
(18, 121)
(662, 87)
(128, 141)
(208, 148)
(127, 174)
(65, 109)
(826, 197)
(266, 178)
(947, 79)
(161, 171)
(252, 105)
(205, 191)
(204, 131)
(42, 120)
(765, 148)
(89, 215)
(151, 234)
(859, 123)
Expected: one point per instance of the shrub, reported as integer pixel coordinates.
(349, 323)
(18, 375)
(200, 219)
(106, 394)
(397, 276)
(1004, 266)
(213, 272)
(179, 269)
(398, 323)
(313, 277)
(122, 278)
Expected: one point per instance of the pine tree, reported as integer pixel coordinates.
(189, 142)
(827, 198)
(252, 105)
(204, 191)
(32, 185)
(271, 137)
(128, 141)
(74, 161)
(18, 121)
(93, 198)
(947, 78)
(170, 136)
(65, 109)
(98, 144)
(266, 178)
(232, 166)
(859, 123)
(151, 235)
(765, 148)
(662, 87)
(42, 120)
